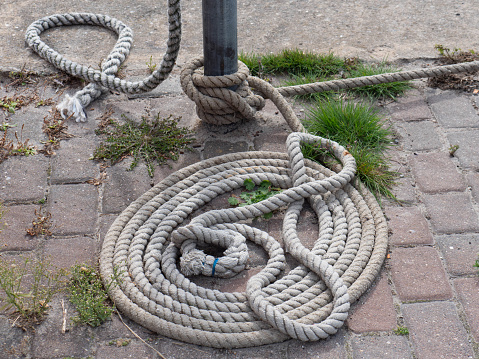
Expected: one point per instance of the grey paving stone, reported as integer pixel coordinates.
(405, 190)
(28, 122)
(24, 179)
(460, 252)
(275, 142)
(473, 181)
(333, 347)
(435, 172)
(436, 331)
(72, 163)
(387, 347)
(14, 343)
(418, 274)
(420, 136)
(374, 311)
(408, 226)
(215, 148)
(114, 329)
(453, 111)
(185, 159)
(468, 151)
(66, 252)
(468, 293)
(178, 106)
(410, 108)
(174, 349)
(74, 209)
(123, 187)
(451, 213)
(14, 235)
(49, 342)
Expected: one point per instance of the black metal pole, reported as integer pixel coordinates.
(220, 44)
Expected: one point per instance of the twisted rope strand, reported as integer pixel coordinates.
(149, 238)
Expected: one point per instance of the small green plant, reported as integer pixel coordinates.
(9, 104)
(264, 191)
(151, 140)
(151, 65)
(476, 264)
(359, 128)
(120, 342)
(401, 331)
(87, 294)
(456, 55)
(453, 149)
(29, 286)
(5, 126)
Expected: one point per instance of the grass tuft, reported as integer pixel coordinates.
(361, 130)
(87, 294)
(307, 67)
(151, 141)
(293, 61)
(28, 287)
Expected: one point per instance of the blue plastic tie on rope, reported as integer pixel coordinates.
(214, 266)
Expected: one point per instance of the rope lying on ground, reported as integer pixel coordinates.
(215, 102)
(308, 303)
(99, 80)
(146, 241)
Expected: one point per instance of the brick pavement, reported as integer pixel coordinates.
(427, 284)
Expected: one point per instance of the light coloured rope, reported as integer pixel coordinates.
(105, 78)
(309, 303)
(156, 232)
(213, 100)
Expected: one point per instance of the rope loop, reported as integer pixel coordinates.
(104, 78)
(216, 102)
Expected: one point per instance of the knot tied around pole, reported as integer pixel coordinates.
(220, 100)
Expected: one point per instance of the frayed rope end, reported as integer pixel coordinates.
(71, 107)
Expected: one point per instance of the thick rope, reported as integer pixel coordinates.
(99, 80)
(210, 102)
(157, 231)
(310, 302)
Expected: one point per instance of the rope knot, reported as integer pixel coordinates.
(220, 100)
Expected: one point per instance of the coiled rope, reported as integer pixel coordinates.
(148, 239)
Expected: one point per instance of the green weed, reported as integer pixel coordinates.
(5, 126)
(360, 129)
(401, 331)
(151, 66)
(456, 55)
(29, 286)
(87, 294)
(150, 141)
(262, 192)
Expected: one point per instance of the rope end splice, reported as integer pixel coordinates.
(72, 107)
